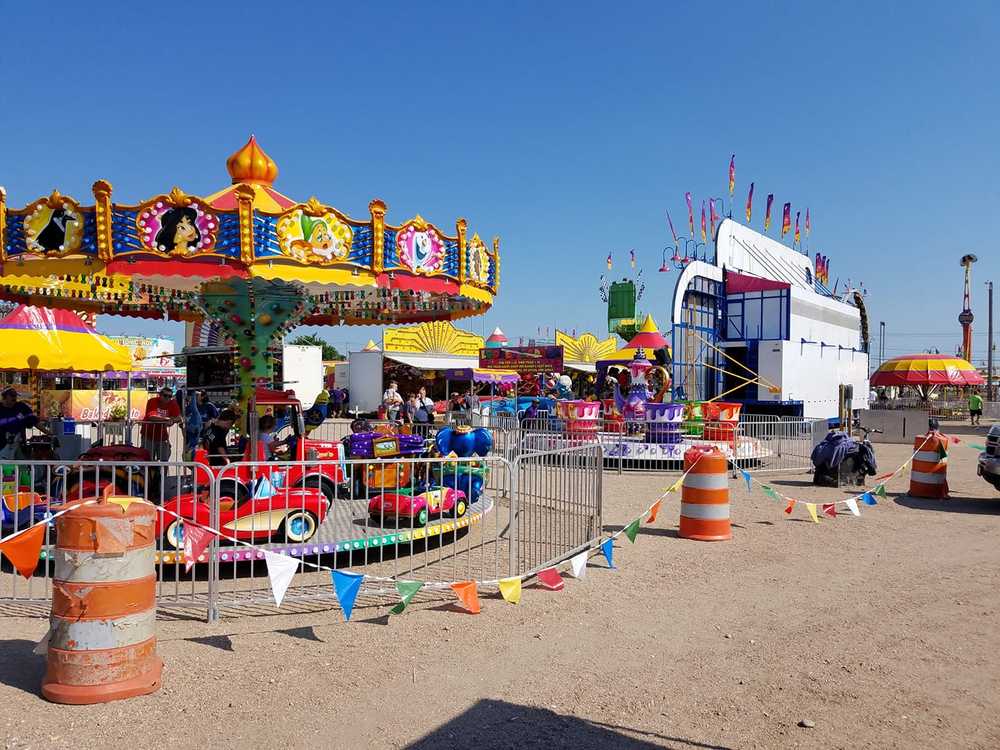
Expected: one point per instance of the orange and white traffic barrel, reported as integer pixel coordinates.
(705, 495)
(102, 632)
(929, 473)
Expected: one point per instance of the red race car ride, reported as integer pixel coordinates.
(419, 506)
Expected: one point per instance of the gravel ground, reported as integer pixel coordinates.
(878, 631)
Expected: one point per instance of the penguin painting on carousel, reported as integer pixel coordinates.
(54, 233)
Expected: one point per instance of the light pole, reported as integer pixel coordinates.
(881, 342)
(989, 341)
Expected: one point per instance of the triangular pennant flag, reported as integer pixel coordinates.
(196, 539)
(347, 586)
(510, 589)
(869, 499)
(811, 507)
(123, 501)
(829, 510)
(632, 530)
(23, 549)
(956, 440)
(747, 478)
(578, 564)
(407, 590)
(550, 579)
(977, 447)
(676, 485)
(769, 492)
(882, 477)
(467, 594)
(608, 548)
(942, 450)
(280, 569)
(852, 505)
(788, 508)
(654, 511)
(880, 491)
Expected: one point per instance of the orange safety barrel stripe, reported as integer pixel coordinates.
(78, 533)
(104, 601)
(99, 667)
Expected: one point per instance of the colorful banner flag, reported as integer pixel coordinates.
(790, 506)
(750, 203)
(196, 539)
(631, 258)
(550, 579)
(407, 590)
(347, 586)
(869, 499)
(23, 549)
(769, 491)
(880, 491)
(677, 485)
(796, 238)
(280, 570)
(852, 505)
(510, 589)
(811, 507)
(713, 215)
(654, 511)
(732, 174)
(670, 223)
(767, 212)
(687, 198)
(808, 223)
(609, 261)
(608, 548)
(829, 510)
(747, 478)
(786, 219)
(578, 564)
(632, 530)
(468, 595)
(704, 228)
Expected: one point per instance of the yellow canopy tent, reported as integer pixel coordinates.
(37, 338)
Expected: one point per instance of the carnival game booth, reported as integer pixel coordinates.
(254, 263)
(50, 347)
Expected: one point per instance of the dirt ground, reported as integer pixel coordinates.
(881, 631)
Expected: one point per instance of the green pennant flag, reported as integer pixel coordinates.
(769, 492)
(407, 590)
(976, 447)
(880, 490)
(632, 530)
(942, 450)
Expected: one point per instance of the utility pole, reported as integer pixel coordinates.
(989, 342)
(881, 343)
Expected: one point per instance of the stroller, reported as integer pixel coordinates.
(841, 460)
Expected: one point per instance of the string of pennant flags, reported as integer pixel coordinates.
(23, 547)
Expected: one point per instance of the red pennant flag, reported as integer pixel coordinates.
(788, 508)
(468, 595)
(196, 539)
(829, 510)
(654, 511)
(550, 579)
(23, 550)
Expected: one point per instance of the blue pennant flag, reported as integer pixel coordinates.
(347, 586)
(747, 478)
(608, 548)
(869, 499)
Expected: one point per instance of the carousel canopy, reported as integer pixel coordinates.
(155, 257)
(496, 339)
(36, 338)
(926, 370)
(648, 337)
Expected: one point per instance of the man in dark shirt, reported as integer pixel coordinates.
(215, 438)
(15, 417)
(206, 408)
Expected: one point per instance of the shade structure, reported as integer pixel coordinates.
(497, 339)
(926, 371)
(37, 338)
(649, 336)
(482, 376)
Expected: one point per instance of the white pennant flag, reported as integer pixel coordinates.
(578, 564)
(280, 569)
(852, 504)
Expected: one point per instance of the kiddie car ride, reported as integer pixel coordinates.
(418, 506)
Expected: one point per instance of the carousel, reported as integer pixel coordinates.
(257, 263)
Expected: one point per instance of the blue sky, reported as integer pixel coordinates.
(566, 128)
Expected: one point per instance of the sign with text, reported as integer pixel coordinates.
(526, 360)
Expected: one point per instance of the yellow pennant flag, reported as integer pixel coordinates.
(510, 589)
(124, 501)
(811, 507)
(677, 485)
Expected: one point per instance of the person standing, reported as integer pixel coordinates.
(216, 438)
(193, 423)
(391, 400)
(423, 401)
(206, 408)
(336, 402)
(15, 417)
(162, 413)
(975, 408)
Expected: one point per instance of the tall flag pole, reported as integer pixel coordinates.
(767, 212)
(750, 203)
(687, 198)
(786, 219)
(670, 222)
(704, 232)
(797, 237)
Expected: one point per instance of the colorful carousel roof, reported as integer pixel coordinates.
(926, 370)
(153, 257)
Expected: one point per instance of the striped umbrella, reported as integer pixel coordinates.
(925, 372)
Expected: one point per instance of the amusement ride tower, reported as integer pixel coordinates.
(965, 317)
